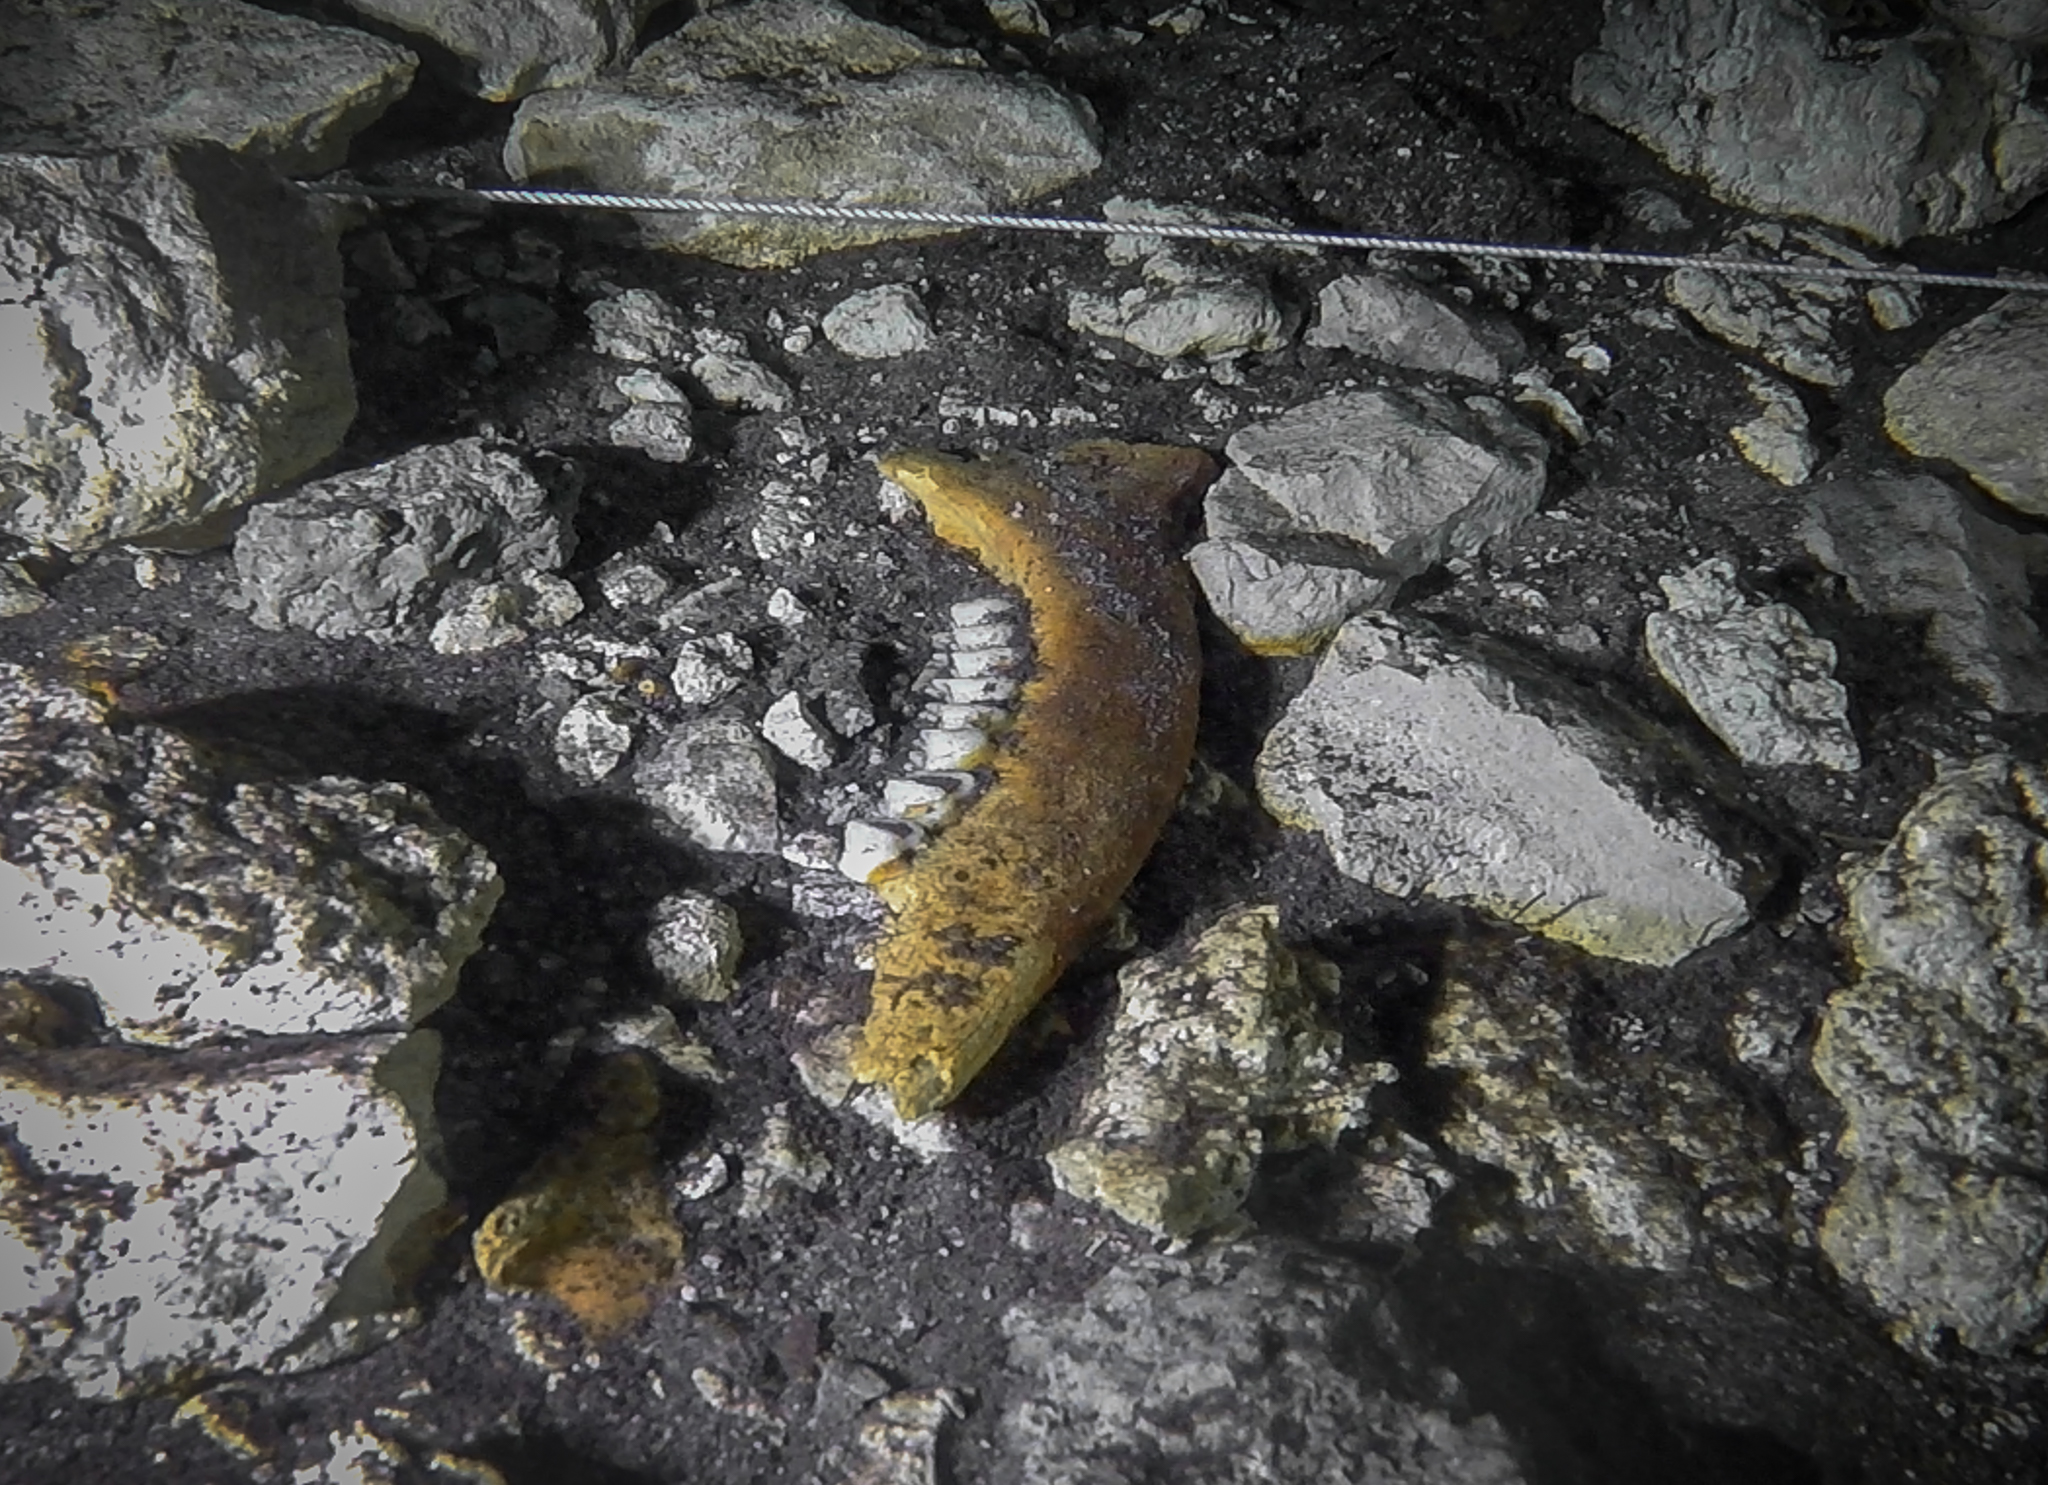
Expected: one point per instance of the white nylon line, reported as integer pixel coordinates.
(819, 211)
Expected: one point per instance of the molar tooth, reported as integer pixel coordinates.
(941, 749)
(871, 845)
(974, 663)
(971, 688)
(956, 716)
(984, 636)
(930, 800)
(975, 611)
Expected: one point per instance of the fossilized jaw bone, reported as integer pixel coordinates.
(986, 915)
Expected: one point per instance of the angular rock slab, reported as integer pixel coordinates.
(83, 77)
(1404, 324)
(193, 903)
(1755, 673)
(801, 99)
(1977, 398)
(167, 1219)
(1247, 1365)
(1915, 135)
(1914, 548)
(171, 338)
(1213, 1057)
(507, 51)
(386, 550)
(1430, 767)
(1938, 1053)
(1331, 506)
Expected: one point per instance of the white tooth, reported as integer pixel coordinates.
(971, 688)
(871, 845)
(958, 716)
(973, 663)
(982, 611)
(924, 801)
(984, 636)
(959, 747)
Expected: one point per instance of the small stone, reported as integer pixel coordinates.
(694, 943)
(735, 381)
(644, 385)
(593, 738)
(18, 591)
(879, 323)
(658, 430)
(1019, 18)
(1404, 325)
(1776, 442)
(710, 668)
(486, 617)
(714, 779)
(640, 326)
(791, 731)
(779, 1163)
(633, 586)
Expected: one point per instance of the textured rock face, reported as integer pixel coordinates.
(1405, 325)
(801, 99)
(1913, 548)
(1213, 1058)
(1938, 1053)
(1618, 1161)
(507, 51)
(1906, 139)
(1244, 1365)
(1477, 779)
(388, 549)
(1760, 679)
(1976, 398)
(78, 75)
(238, 1193)
(714, 779)
(1329, 507)
(152, 390)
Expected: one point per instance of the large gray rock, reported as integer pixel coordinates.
(1250, 1363)
(1755, 673)
(388, 549)
(1403, 324)
(1893, 139)
(1914, 549)
(506, 51)
(234, 1207)
(802, 99)
(193, 904)
(1938, 1052)
(1795, 324)
(1433, 767)
(1213, 1057)
(1976, 398)
(1329, 507)
(1618, 1158)
(172, 331)
(84, 77)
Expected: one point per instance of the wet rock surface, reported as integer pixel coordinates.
(1759, 1216)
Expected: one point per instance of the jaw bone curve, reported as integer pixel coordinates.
(1085, 769)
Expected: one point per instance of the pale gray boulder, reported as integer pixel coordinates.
(1893, 138)
(507, 50)
(83, 77)
(172, 334)
(1441, 767)
(781, 99)
(1977, 398)
(1403, 324)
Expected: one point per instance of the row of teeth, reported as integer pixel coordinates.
(969, 706)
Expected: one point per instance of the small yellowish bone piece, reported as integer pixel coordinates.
(988, 914)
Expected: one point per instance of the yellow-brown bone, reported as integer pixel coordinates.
(984, 918)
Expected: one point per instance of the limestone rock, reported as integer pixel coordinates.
(1641, 1162)
(171, 325)
(193, 904)
(1901, 138)
(802, 99)
(1938, 1053)
(1776, 441)
(1193, 300)
(1435, 767)
(1976, 398)
(1346, 497)
(1247, 1363)
(505, 51)
(167, 1219)
(714, 779)
(1760, 679)
(1213, 1057)
(694, 942)
(1913, 548)
(81, 77)
(879, 323)
(1404, 324)
(385, 550)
